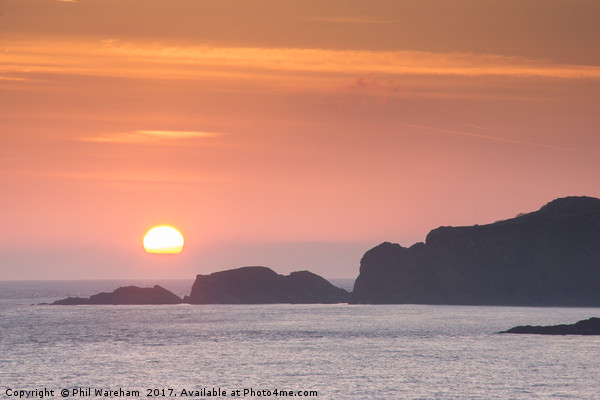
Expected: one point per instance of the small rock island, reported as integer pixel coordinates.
(586, 327)
(126, 295)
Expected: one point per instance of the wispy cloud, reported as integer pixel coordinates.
(132, 177)
(483, 128)
(150, 136)
(115, 58)
(496, 138)
(351, 20)
(353, 62)
(16, 79)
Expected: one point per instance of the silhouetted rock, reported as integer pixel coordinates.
(261, 285)
(586, 327)
(550, 257)
(126, 295)
(71, 301)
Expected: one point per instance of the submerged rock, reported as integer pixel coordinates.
(261, 285)
(586, 327)
(126, 295)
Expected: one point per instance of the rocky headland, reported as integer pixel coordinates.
(550, 257)
(586, 327)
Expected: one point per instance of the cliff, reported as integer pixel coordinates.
(586, 327)
(549, 257)
(126, 295)
(261, 285)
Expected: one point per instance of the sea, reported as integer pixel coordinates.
(336, 351)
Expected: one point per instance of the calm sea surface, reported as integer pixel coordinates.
(340, 351)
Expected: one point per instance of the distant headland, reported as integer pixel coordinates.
(549, 257)
(586, 327)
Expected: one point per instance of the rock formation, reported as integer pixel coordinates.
(550, 257)
(261, 285)
(126, 295)
(586, 327)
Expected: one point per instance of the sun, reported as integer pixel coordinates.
(163, 240)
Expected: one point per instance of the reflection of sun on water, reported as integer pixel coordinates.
(163, 240)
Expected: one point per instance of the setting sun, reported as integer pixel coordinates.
(163, 240)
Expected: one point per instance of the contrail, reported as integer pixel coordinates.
(498, 139)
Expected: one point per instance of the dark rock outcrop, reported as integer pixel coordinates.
(586, 327)
(126, 295)
(550, 257)
(261, 285)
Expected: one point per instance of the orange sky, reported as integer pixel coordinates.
(291, 134)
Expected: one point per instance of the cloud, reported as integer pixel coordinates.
(16, 79)
(150, 136)
(120, 59)
(351, 20)
(496, 138)
(355, 61)
(483, 128)
(131, 177)
(381, 90)
(363, 83)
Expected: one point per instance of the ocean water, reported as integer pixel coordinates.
(322, 351)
